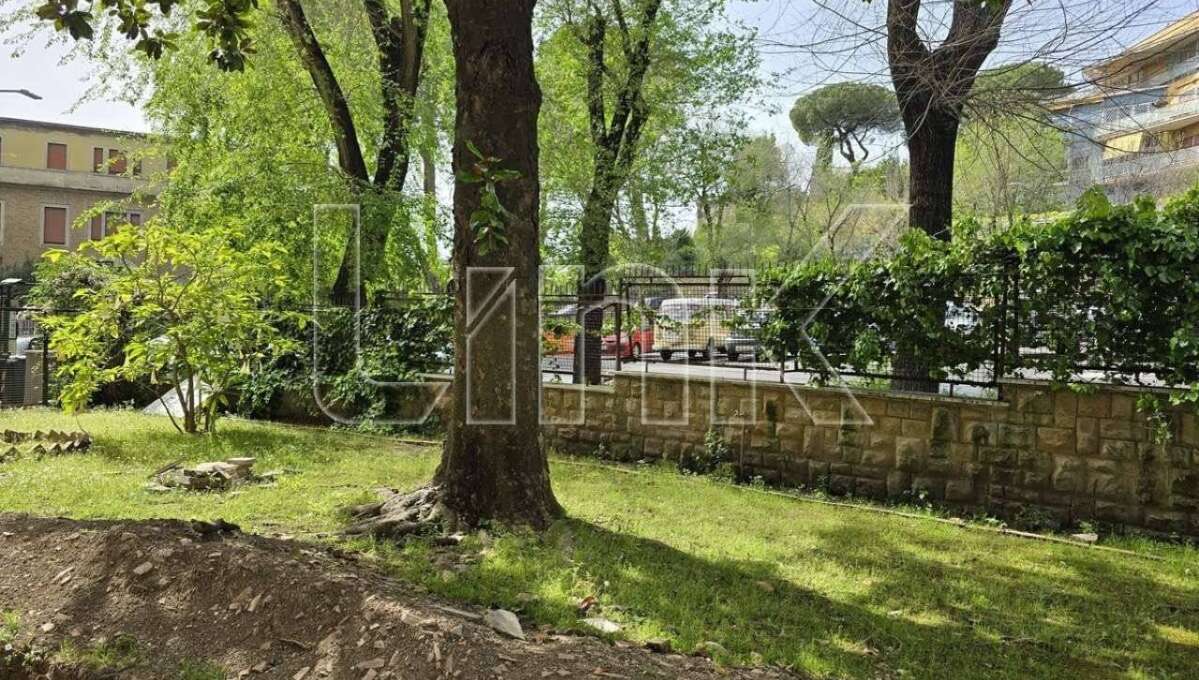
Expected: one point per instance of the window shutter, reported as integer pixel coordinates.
(54, 226)
(98, 159)
(56, 156)
(97, 227)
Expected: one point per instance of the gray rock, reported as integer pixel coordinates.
(603, 625)
(504, 622)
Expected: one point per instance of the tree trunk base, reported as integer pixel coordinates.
(399, 516)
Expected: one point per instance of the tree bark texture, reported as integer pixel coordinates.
(493, 466)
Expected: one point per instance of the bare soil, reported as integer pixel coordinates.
(269, 608)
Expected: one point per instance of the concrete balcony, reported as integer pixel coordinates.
(1148, 163)
(79, 181)
(1115, 120)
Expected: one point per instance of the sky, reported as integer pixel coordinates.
(797, 41)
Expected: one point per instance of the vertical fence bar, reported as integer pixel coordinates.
(619, 331)
(45, 366)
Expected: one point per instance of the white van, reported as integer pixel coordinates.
(698, 326)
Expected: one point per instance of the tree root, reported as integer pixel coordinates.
(399, 516)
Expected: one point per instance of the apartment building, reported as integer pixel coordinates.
(1136, 129)
(51, 174)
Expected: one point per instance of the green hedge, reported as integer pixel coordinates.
(1105, 286)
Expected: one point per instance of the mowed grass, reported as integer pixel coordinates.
(829, 591)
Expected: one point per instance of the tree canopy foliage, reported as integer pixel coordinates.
(844, 116)
(186, 308)
(697, 66)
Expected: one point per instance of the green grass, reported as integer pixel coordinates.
(120, 653)
(831, 591)
(10, 625)
(201, 670)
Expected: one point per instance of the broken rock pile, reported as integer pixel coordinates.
(13, 443)
(215, 476)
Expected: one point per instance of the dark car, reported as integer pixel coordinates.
(746, 337)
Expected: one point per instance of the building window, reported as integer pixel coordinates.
(56, 156)
(54, 225)
(96, 228)
(135, 219)
(98, 164)
(116, 162)
(137, 167)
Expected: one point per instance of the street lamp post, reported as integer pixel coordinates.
(23, 93)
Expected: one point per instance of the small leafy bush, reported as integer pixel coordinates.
(186, 310)
(714, 454)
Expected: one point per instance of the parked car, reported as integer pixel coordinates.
(746, 337)
(698, 326)
(633, 343)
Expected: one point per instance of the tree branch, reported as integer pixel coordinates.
(400, 41)
(594, 34)
(349, 151)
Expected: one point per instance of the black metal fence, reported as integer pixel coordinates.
(682, 322)
(26, 368)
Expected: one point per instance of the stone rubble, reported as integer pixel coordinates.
(13, 443)
(212, 476)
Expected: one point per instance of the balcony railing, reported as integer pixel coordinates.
(1145, 163)
(82, 181)
(1116, 119)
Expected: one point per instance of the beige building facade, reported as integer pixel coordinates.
(52, 175)
(1136, 129)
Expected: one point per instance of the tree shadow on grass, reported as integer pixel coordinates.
(160, 444)
(1045, 611)
(913, 616)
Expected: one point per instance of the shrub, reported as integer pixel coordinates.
(1105, 286)
(186, 308)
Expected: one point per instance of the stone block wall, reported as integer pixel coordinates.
(1064, 455)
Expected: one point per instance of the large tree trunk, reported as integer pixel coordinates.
(595, 236)
(931, 88)
(932, 143)
(494, 467)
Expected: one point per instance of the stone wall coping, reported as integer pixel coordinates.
(593, 389)
(1102, 387)
(830, 391)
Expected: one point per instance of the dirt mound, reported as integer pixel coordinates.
(170, 599)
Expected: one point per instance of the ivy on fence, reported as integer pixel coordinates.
(1110, 289)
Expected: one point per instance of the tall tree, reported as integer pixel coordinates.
(625, 75)
(615, 141)
(844, 116)
(932, 86)
(399, 40)
(493, 466)
(496, 471)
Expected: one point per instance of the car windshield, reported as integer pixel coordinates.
(680, 310)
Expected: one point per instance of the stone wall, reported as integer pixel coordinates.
(1054, 453)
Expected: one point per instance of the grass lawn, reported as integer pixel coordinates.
(831, 591)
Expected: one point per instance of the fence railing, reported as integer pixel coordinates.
(686, 323)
